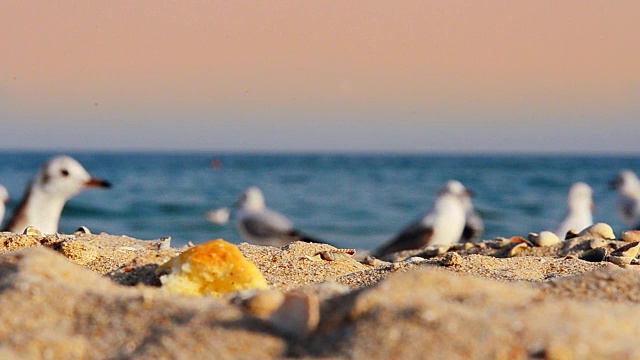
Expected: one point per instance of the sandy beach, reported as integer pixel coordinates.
(98, 296)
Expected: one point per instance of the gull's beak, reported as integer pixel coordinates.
(470, 192)
(99, 183)
(593, 207)
(7, 200)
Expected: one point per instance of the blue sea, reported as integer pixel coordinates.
(351, 200)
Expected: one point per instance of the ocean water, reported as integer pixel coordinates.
(355, 201)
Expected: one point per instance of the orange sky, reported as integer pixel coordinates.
(489, 59)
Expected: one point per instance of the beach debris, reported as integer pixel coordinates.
(298, 315)
(33, 231)
(518, 249)
(214, 268)
(83, 230)
(218, 216)
(164, 243)
(571, 234)
(631, 235)
(625, 254)
(545, 238)
(451, 259)
(600, 230)
(594, 255)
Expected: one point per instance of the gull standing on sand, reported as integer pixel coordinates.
(579, 210)
(4, 199)
(59, 179)
(443, 225)
(473, 226)
(628, 204)
(262, 226)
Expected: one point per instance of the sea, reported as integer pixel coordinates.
(351, 200)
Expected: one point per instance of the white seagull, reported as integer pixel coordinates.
(473, 226)
(628, 204)
(59, 179)
(4, 199)
(579, 210)
(443, 225)
(260, 225)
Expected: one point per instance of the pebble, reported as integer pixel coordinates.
(598, 242)
(600, 230)
(451, 259)
(594, 255)
(298, 315)
(518, 249)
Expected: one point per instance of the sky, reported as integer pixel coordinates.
(366, 76)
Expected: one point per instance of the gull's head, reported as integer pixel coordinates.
(580, 197)
(4, 196)
(455, 188)
(64, 177)
(251, 199)
(626, 180)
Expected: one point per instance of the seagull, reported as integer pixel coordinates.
(443, 225)
(628, 204)
(58, 180)
(473, 226)
(579, 208)
(262, 226)
(4, 199)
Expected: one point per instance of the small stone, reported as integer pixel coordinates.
(594, 255)
(600, 230)
(631, 235)
(415, 259)
(33, 231)
(264, 303)
(298, 315)
(83, 230)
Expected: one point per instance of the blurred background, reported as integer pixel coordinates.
(349, 115)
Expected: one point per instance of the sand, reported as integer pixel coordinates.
(90, 296)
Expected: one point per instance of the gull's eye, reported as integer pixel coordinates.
(64, 172)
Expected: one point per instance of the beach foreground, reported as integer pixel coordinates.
(98, 296)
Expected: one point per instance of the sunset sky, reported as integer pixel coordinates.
(407, 76)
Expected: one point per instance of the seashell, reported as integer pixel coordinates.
(414, 259)
(469, 245)
(598, 242)
(518, 249)
(601, 230)
(545, 238)
(629, 250)
(83, 230)
(619, 260)
(571, 234)
(164, 243)
(631, 235)
(594, 255)
(33, 231)
(298, 315)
